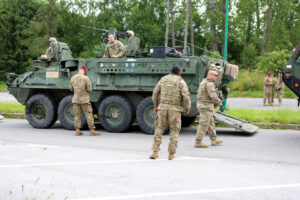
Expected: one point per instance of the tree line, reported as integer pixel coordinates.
(259, 30)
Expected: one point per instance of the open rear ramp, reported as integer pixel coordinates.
(235, 122)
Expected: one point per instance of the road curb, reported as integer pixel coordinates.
(260, 125)
(13, 115)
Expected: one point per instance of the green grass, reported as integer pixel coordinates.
(2, 86)
(282, 116)
(11, 108)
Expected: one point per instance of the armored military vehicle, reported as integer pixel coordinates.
(122, 87)
(291, 73)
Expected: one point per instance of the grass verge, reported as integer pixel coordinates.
(2, 86)
(282, 116)
(6, 107)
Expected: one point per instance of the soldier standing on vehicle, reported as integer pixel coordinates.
(114, 48)
(81, 86)
(174, 99)
(49, 52)
(207, 100)
(280, 88)
(268, 89)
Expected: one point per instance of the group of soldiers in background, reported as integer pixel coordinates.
(270, 87)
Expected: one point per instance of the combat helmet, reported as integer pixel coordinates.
(52, 39)
(213, 67)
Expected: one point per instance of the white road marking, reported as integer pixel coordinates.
(101, 162)
(193, 192)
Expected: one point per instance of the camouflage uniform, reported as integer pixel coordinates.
(115, 50)
(81, 86)
(207, 100)
(274, 81)
(174, 99)
(49, 52)
(280, 88)
(268, 89)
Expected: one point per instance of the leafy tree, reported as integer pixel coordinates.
(274, 61)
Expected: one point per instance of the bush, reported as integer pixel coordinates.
(248, 81)
(273, 61)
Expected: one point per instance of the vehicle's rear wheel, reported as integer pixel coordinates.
(187, 121)
(41, 111)
(145, 115)
(66, 114)
(116, 113)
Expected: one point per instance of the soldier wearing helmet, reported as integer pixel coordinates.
(49, 52)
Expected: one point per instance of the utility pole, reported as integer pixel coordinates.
(226, 31)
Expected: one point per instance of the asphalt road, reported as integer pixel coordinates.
(253, 103)
(54, 164)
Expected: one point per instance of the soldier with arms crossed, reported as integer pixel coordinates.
(207, 100)
(81, 86)
(174, 99)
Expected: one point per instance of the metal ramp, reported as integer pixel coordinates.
(233, 122)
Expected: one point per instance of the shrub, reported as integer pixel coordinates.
(273, 61)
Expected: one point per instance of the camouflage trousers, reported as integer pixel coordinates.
(206, 125)
(88, 112)
(165, 117)
(268, 95)
(280, 95)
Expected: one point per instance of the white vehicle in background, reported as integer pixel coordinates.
(1, 117)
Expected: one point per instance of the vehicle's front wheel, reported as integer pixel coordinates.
(41, 111)
(145, 115)
(66, 114)
(116, 113)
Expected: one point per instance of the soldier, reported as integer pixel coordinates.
(268, 89)
(81, 86)
(174, 99)
(49, 52)
(114, 48)
(207, 100)
(274, 81)
(280, 88)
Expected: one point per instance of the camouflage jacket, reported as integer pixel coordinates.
(172, 93)
(81, 86)
(207, 97)
(115, 50)
(280, 83)
(49, 53)
(269, 82)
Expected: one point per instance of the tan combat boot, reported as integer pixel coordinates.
(265, 104)
(200, 145)
(171, 156)
(280, 104)
(154, 155)
(216, 142)
(271, 104)
(78, 132)
(94, 133)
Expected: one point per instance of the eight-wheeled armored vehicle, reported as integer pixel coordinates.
(122, 87)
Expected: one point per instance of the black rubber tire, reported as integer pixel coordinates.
(187, 121)
(120, 123)
(41, 111)
(144, 116)
(66, 114)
